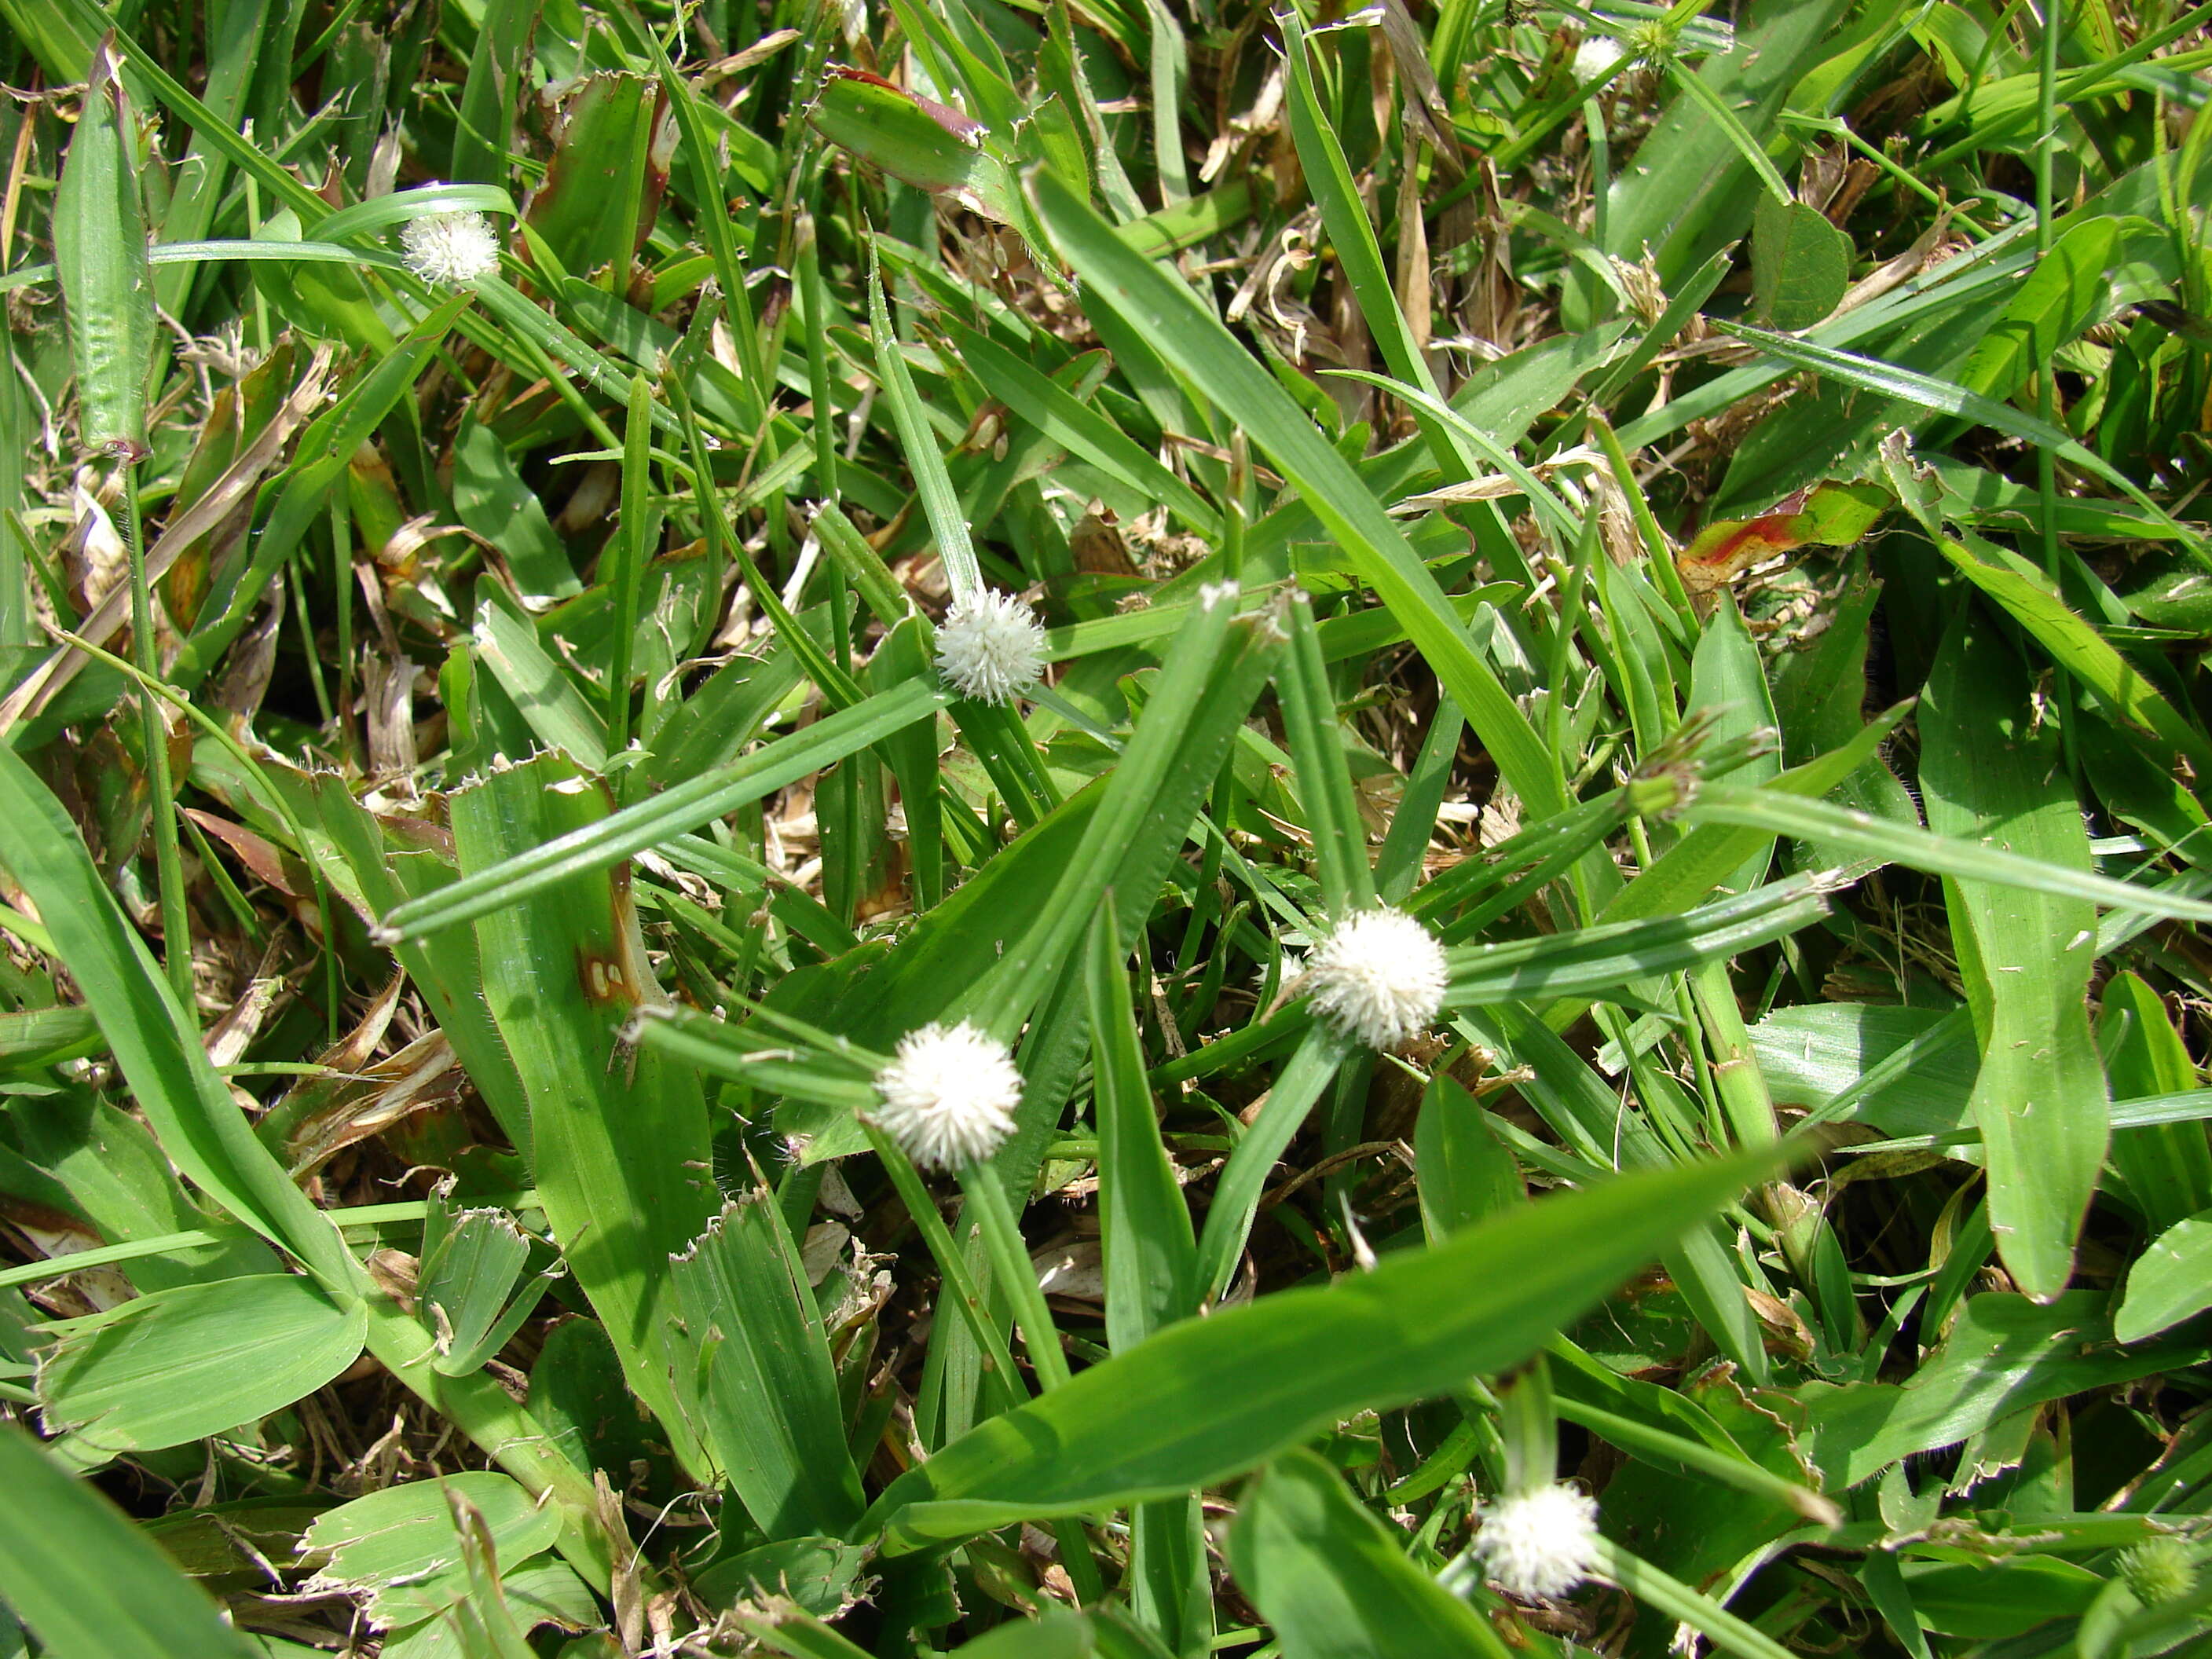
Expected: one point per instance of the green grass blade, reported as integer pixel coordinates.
(100, 249)
(620, 1145)
(1309, 716)
(1890, 842)
(1151, 1259)
(675, 812)
(947, 522)
(768, 1411)
(183, 1363)
(153, 1040)
(1331, 1579)
(2039, 1099)
(1206, 1399)
(1888, 380)
(88, 1582)
(1161, 307)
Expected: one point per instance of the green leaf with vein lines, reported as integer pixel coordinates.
(1991, 772)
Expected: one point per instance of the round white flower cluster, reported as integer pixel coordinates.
(1379, 978)
(1596, 54)
(948, 1096)
(449, 249)
(1542, 1542)
(990, 647)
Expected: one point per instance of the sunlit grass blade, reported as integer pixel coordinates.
(1167, 311)
(1887, 841)
(620, 1144)
(674, 812)
(1207, 1398)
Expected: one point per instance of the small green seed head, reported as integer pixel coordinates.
(2159, 1570)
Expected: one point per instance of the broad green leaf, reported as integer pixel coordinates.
(2062, 296)
(560, 715)
(400, 1548)
(181, 1365)
(818, 1573)
(469, 1286)
(2004, 1353)
(109, 1169)
(88, 1582)
(1800, 264)
(1151, 1260)
(1992, 1600)
(1904, 1069)
(1705, 193)
(493, 500)
(100, 249)
(620, 1145)
(1466, 1176)
(916, 140)
(1834, 514)
(2168, 1170)
(753, 1364)
(1056, 1633)
(1989, 775)
(603, 184)
(1333, 1583)
(2170, 1281)
(1207, 1398)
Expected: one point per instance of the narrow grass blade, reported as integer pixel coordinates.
(1890, 842)
(2168, 1172)
(1164, 309)
(154, 1039)
(1614, 954)
(675, 812)
(947, 523)
(1243, 1178)
(1309, 717)
(1888, 380)
(1206, 1399)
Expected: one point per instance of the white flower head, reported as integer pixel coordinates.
(1542, 1542)
(948, 1096)
(990, 647)
(1596, 54)
(449, 249)
(1378, 979)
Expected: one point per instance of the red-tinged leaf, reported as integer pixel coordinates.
(1827, 515)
